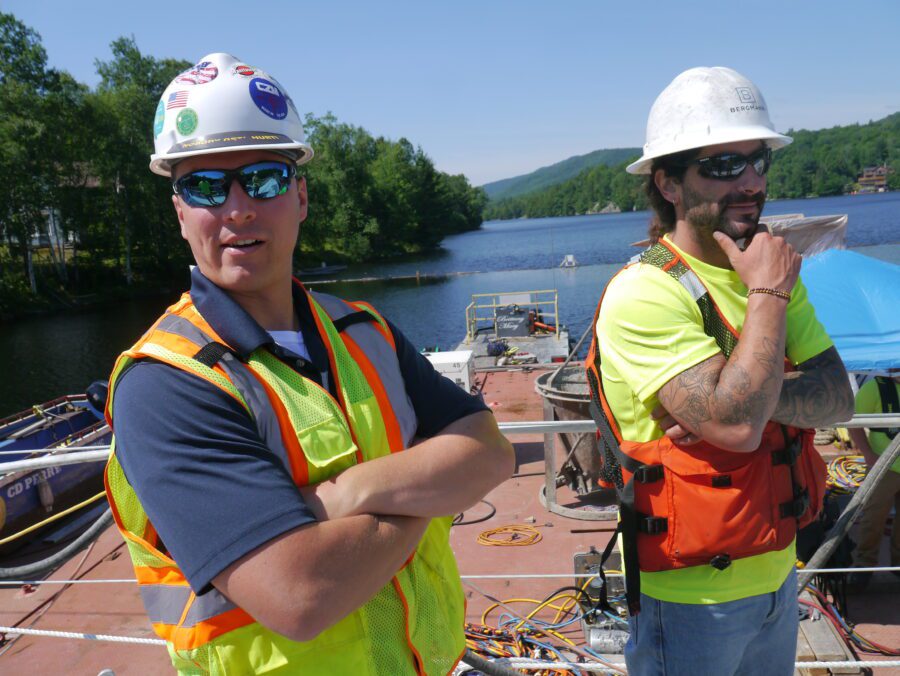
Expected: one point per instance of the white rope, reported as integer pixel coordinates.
(517, 576)
(511, 576)
(86, 637)
(525, 663)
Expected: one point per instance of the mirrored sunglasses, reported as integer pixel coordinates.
(210, 187)
(728, 166)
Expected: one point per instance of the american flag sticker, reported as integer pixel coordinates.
(177, 100)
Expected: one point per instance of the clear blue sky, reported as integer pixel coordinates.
(493, 89)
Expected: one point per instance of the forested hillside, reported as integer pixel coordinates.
(817, 163)
(75, 160)
(556, 173)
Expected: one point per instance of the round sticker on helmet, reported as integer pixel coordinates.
(159, 120)
(268, 98)
(202, 73)
(186, 122)
(243, 69)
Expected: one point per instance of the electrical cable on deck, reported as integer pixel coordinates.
(513, 535)
(458, 520)
(846, 473)
(51, 519)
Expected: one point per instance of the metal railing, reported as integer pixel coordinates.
(100, 453)
(527, 299)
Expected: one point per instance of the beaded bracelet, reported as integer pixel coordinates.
(771, 292)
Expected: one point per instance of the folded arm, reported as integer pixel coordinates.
(372, 516)
(309, 578)
(442, 475)
(728, 402)
(816, 394)
(861, 441)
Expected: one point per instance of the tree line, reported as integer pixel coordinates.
(81, 215)
(816, 164)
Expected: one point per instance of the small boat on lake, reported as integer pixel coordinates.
(515, 328)
(33, 500)
(321, 270)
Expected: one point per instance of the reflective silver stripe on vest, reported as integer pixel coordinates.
(206, 606)
(383, 359)
(165, 604)
(264, 414)
(180, 326)
(692, 284)
(251, 389)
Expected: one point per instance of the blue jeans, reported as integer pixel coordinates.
(748, 637)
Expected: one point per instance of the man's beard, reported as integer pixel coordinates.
(708, 217)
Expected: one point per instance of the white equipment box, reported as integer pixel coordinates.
(458, 366)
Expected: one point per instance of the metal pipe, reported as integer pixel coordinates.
(507, 428)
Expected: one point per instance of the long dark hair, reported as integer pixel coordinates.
(663, 219)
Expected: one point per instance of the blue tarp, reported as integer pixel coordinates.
(857, 298)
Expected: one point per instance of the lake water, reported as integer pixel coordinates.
(44, 357)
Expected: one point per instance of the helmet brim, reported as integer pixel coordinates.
(162, 164)
(755, 133)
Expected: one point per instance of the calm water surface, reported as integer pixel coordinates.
(44, 357)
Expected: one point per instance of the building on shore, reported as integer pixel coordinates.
(874, 179)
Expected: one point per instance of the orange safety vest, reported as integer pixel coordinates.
(413, 625)
(701, 504)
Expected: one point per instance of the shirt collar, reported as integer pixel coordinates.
(240, 331)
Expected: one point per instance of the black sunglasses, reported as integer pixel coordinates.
(728, 166)
(210, 187)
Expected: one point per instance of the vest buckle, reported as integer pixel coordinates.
(788, 455)
(795, 508)
(720, 561)
(652, 525)
(648, 474)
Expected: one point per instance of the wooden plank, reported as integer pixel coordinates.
(826, 643)
(848, 655)
(805, 653)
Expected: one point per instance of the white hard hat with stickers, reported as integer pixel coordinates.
(705, 107)
(223, 105)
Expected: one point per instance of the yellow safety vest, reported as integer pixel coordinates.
(415, 624)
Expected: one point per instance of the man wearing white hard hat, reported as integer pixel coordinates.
(284, 461)
(708, 371)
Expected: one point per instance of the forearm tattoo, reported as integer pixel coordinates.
(722, 391)
(817, 394)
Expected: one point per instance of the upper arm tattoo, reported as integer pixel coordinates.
(818, 393)
(688, 396)
(724, 391)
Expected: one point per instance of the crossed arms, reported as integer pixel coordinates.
(728, 403)
(371, 517)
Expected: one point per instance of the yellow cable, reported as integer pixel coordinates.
(534, 612)
(51, 519)
(497, 605)
(514, 536)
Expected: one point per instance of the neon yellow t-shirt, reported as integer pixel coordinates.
(650, 330)
(868, 400)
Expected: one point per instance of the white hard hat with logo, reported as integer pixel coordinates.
(223, 105)
(705, 107)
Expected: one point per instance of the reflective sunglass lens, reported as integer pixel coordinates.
(204, 189)
(210, 188)
(728, 166)
(265, 182)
